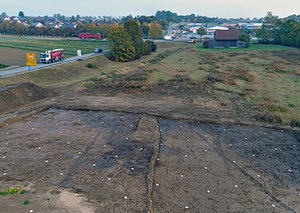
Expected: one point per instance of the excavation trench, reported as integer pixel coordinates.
(125, 161)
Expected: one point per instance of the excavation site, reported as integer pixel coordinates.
(122, 154)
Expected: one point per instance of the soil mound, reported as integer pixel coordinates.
(16, 95)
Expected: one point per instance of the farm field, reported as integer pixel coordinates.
(13, 56)
(40, 44)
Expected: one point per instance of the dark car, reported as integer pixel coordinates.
(98, 50)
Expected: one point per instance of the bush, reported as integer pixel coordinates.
(91, 66)
(26, 202)
(152, 45)
(3, 66)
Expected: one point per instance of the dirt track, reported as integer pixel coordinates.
(122, 163)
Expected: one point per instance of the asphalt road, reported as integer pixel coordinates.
(21, 70)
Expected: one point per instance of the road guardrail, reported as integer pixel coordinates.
(52, 65)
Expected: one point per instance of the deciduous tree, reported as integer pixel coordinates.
(155, 31)
(133, 29)
(21, 14)
(245, 37)
(121, 45)
(201, 31)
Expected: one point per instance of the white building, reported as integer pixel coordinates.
(38, 24)
(211, 30)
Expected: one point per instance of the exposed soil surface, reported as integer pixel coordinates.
(141, 154)
(16, 95)
(125, 162)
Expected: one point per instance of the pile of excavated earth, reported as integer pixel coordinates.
(120, 154)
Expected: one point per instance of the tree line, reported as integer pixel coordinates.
(279, 31)
(152, 29)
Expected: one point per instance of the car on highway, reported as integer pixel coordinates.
(98, 50)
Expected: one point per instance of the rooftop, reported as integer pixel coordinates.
(227, 34)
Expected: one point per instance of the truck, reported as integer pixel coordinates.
(51, 56)
(89, 36)
(168, 38)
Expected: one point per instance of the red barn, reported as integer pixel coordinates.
(89, 36)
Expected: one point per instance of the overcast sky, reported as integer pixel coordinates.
(216, 8)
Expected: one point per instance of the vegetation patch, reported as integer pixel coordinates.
(10, 190)
(119, 81)
(3, 66)
(160, 57)
(250, 48)
(91, 66)
(26, 202)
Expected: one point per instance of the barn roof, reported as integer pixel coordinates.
(227, 34)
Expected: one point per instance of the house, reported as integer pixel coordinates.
(254, 26)
(16, 19)
(73, 25)
(225, 39)
(37, 24)
(212, 30)
(56, 26)
(194, 27)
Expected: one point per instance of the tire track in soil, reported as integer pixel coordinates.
(251, 178)
(77, 163)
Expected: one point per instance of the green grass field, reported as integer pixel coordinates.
(39, 44)
(251, 47)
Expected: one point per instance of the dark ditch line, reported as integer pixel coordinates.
(150, 125)
(152, 170)
(76, 164)
(252, 179)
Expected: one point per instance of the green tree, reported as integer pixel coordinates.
(164, 23)
(21, 14)
(3, 15)
(289, 33)
(145, 29)
(279, 31)
(201, 31)
(155, 31)
(121, 45)
(245, 37)
(270, 29)
(133, 29)
(104, 30)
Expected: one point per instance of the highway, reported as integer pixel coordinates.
(21, 70)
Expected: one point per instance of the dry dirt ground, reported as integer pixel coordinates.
(121, 154)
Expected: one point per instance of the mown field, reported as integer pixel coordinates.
(13, 56)
(263, 83)
(40, 44)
